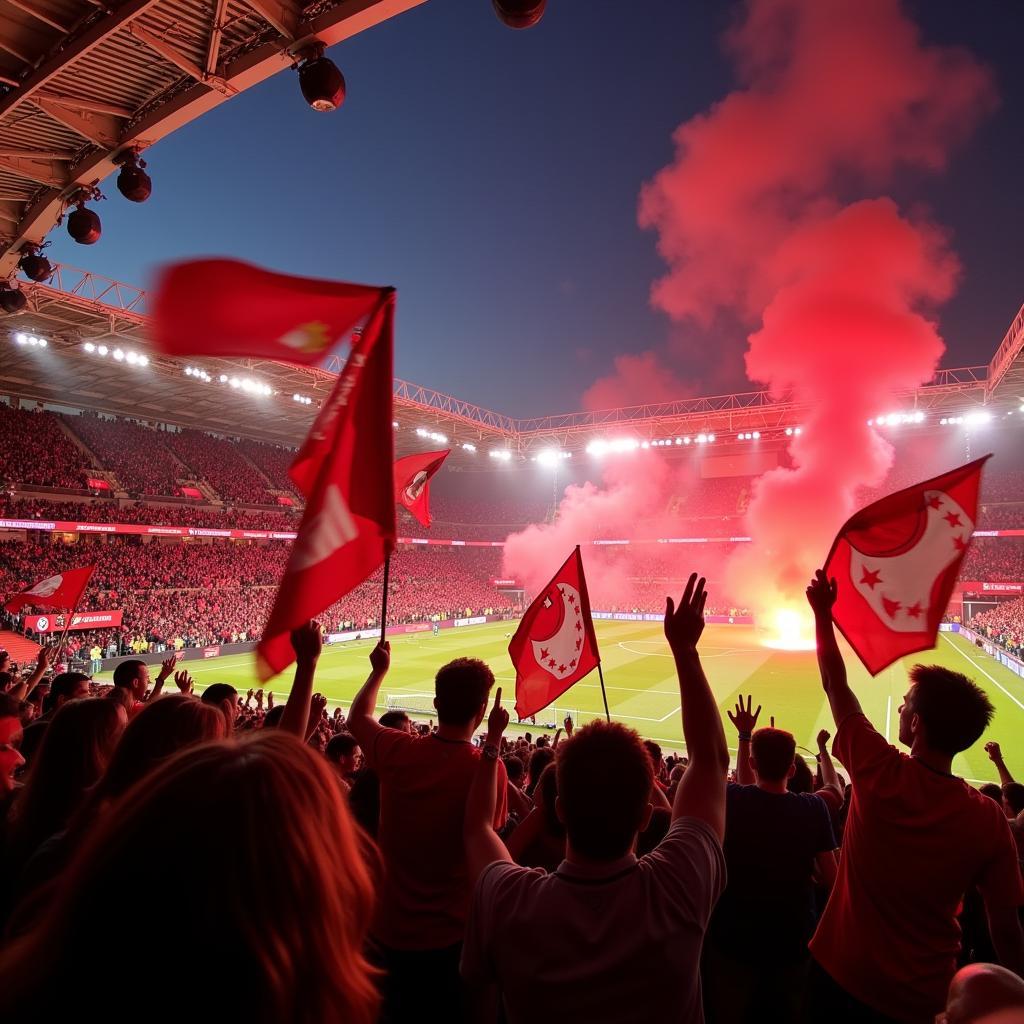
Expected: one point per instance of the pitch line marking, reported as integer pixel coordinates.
(982, 671)
(725, 652)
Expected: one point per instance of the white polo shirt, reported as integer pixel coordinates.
(620, 942)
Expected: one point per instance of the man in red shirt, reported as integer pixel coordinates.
(424, 898)
(916, 839)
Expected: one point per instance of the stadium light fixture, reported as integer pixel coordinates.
(551, 456)
(33, 264)
(756, 435)
(321, 81)
(302, 399)
(702, 439)
(102, 350)
(30, 340)
(976, 418)
(501, 454)
(12, 300)
(133, 182)
(520, 13)
(467, 447)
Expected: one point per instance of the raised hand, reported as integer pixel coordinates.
(380, 658)
(167, 667)
(307, 642)
(317, 706)
(182, 680)
(270, 699)
(821, 594)
(45, 658)
(497, 720)
(259, 699)
(823, 737)
(568, 725)
(683, 626)
(994, 751)
(743, 718)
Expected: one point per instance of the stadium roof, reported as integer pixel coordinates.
(77, 308)
(83, 81)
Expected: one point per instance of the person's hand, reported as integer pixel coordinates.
(270, 699)
(248, 696)
(307, 643)
(380, 658)
(994, 751)
(167, 667)
(821, 594)
(568, 725)
(45, 658)
(742, 718)
(317, 706)
(183, 681)
(823, 737)
(259, 699)
(497, 720)
(558, 732)
(684, 625)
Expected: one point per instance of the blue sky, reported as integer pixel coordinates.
(492, 176)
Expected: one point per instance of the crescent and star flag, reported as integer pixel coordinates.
(344, 470)
(412, 481)
(896, 563)
(61, 591)
(554, 646)
(230, 308)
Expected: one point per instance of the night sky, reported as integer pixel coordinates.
(492, 176)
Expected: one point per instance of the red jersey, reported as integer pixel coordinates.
(424, 784)
(915, 841)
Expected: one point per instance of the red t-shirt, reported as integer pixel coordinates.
(915, 841)
(424, 784)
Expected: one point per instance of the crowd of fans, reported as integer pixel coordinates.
(363, 869)
(34, 450)
(992, 560)
(1003, 625)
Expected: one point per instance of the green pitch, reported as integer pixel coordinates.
(642, 689)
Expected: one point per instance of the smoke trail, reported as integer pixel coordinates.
(835, 98)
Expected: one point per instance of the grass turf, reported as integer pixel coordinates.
(642, 689)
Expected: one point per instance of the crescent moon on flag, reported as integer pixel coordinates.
(559, 653)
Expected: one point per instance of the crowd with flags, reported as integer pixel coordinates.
(300, 866)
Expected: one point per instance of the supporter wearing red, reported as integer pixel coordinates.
(423, 788)
(607, 937)
(916, 839)
(776, 843)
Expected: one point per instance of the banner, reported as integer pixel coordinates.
(211, 652)
(505, 583)
(191, 492)
(990, 588)
(55, 623)
(96, 483)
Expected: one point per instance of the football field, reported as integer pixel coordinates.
(642, 688)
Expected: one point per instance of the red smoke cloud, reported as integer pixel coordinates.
(637, 380)
(834, 98)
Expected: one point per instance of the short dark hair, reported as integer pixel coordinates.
(604, 787)
(9, 707)
(341, 745)
(127, 672)
(394, 719)
(654, 749)
(953, 709)
(992, 791)
(272, 719)
(773, 751)
(461, 688)
(542, 741)
(540, 758)
(514, 768)
(802, 780)
(1013, 794)
(217, 692)
(63, 685)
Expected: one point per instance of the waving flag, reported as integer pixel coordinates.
(344, 469)
(554, 646)
(897, 561)
(61, 591)
(412, 481)
(229, 308)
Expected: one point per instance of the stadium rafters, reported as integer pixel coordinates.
(82, 82)
(77, 307)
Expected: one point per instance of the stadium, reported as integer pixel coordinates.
(171, 475)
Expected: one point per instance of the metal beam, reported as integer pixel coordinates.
(39, 15)
(216, 34)
(35, 170)
(178, 59)
(101, 129)
(81, 103)
(278, 13)
(40, 154)
(97, 34)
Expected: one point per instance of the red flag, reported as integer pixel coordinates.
(412, 481)
(61, 591)
(229, 308)
(348, 526)
(897, 561)
(554, 646)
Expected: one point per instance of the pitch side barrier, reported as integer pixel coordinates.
(720, 620)
(1015, 665)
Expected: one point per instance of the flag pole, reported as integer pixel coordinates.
(384, 598)
(64, 636)
(600, 675)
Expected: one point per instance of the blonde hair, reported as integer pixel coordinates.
(265, 889)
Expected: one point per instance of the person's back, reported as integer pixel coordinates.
(915, 841)
(608, 936)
